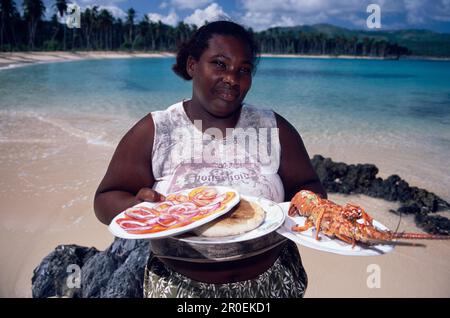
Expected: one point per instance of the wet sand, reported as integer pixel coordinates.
(18, 59)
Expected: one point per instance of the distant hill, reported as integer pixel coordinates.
(418, 42)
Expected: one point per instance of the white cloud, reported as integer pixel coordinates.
(115, 11)
(264, 20)
(98, 2)
(421, 11)
(110, 5)
(210, 13)
(170, 19)
(261, 14)
(189, 4)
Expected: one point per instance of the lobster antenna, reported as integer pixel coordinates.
(398, 224)
(396, 243)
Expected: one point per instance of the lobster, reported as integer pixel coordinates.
(349, 223)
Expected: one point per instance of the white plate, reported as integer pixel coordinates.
(326, 244)
(116, 230)
(274, 218)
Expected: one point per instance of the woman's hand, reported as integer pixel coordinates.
(149, 195)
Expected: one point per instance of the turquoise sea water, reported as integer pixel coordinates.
(366, 94)
(402, 104)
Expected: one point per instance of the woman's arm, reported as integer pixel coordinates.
(295, 169)
(129, 176)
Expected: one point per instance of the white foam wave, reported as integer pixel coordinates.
(90, 138)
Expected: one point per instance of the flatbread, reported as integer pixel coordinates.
(245, 217)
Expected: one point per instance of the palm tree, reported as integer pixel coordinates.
(61, 8)
(118, 32)
(144, 27)
(131, 14)
(33, 11)
(90, 24)
(7, 12)
(105, 22)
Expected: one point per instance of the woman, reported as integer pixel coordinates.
(155, 158)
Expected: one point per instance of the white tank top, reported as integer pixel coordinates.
(247, 159)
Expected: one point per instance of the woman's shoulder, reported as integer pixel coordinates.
(171, 109)
(143, 128)
(259, 116)
(173, 113)
(262, 110)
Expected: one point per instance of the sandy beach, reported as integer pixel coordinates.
(50, 173)
(17, 59)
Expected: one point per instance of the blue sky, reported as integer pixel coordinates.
(262, 14)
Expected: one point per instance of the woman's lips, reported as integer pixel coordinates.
(227, 95)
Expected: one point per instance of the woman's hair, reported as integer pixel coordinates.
(199, 43)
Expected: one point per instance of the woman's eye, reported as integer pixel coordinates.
(219, 64)
(246, 70)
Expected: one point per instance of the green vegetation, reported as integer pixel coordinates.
(101, 31)
(418, 42)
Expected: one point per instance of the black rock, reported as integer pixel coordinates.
(127, 280)
(343, 178)
(96, 273)
(50, 278)
(433, 224)
(412, 208)
(116, 272)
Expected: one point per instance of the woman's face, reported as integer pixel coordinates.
(222, 76)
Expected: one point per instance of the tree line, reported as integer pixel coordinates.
(100, 30)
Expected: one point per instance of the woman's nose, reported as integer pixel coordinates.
(231, 78)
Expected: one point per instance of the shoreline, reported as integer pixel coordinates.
(356, 57)
(10, 60)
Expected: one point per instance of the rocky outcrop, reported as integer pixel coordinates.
(116, 272)
(362, 179)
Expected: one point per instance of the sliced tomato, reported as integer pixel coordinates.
(194, 192)
(141, 213)
(181, 198)
(131, 225)
(171, 197)
(163, 206)
(228, 197)
(167, 220)
(182, 208)
(210, 208)
(206, 194)
(201, 203)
